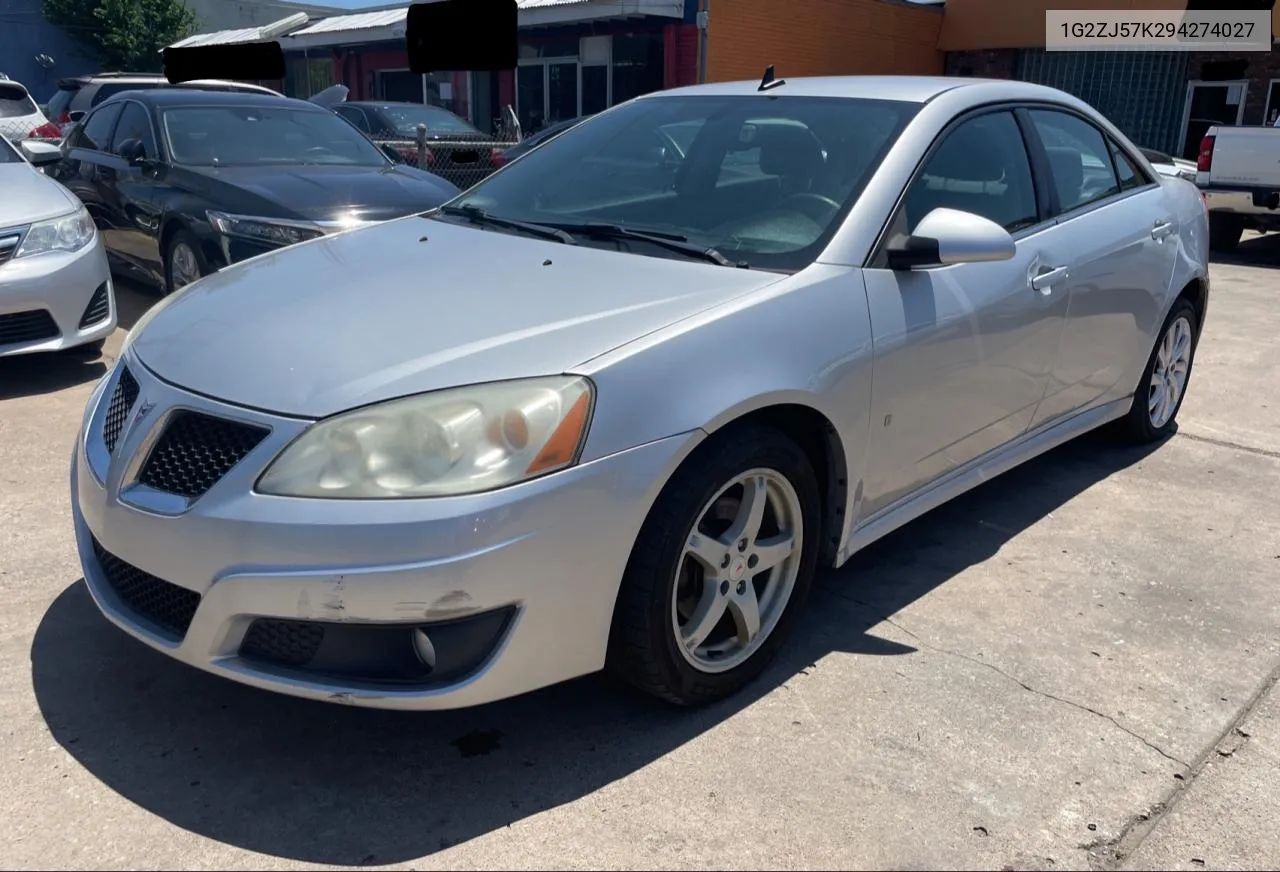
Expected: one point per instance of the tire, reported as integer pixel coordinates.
(643, 646)
(1142, 425)
(182, 238)
(1225, 231)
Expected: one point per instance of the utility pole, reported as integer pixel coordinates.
(703, 16)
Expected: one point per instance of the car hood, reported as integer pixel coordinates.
(31, 196)
(318, 193)
(411, 306)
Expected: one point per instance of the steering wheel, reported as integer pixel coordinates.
(815, 207)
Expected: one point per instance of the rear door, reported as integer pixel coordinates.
(1122, 233)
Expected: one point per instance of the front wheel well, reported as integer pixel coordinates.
(821, 443)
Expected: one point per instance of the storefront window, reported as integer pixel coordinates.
(637, 65)
(307, 77)
(549, 48)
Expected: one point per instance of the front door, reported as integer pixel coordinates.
(127, 192)
(1123, 263)
(962, 352)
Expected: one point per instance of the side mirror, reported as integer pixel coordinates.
(77, 115)
(950, 236)
(390, 152)
(41, 153)
(133, 152)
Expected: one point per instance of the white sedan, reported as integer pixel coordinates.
(55, 285)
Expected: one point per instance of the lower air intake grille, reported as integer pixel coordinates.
(122, 400)
(168, 606)
(196, 451)
(33, 326)
(290, 643)
(98, 309)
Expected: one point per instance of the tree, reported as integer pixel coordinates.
(123, 34)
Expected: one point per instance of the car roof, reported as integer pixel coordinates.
(179, 96)
(908, 89)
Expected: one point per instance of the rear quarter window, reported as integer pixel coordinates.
(15, 101)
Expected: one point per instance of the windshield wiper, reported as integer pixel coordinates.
(476, 215)
(670, 241)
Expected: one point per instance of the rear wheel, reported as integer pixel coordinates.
(1153, 415)
(1225, 231)
(721, 568)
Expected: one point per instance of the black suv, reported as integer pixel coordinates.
(77, 95)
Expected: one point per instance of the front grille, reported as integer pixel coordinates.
(126, 394)
(197, 450)
(32, 326)
(98, 309)
(9, 245)
(289, 643)
(168, 606)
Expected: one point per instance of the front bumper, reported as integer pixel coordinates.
(546, 555)
(53, 301)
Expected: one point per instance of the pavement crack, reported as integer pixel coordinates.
(1018, 681)
(1226, 443)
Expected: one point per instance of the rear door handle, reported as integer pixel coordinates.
(1047, 278)
(1161, 230)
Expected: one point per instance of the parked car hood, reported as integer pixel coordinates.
(410, 306)
(317, 193)
(27, 195)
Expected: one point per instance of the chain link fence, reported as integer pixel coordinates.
(17, 129)
(461, 159)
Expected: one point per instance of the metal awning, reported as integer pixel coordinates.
(274, 30)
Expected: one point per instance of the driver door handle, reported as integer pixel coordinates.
(1044, 280)
(1161, 230)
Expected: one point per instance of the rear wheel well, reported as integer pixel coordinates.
(818, 439)
(1197, 293)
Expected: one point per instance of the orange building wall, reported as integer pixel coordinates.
(821, 38)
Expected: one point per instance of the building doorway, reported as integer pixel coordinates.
(1273, 103)
(548, 90)
(1209, 104)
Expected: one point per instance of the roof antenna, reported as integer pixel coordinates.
(769, 81)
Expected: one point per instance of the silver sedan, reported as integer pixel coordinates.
(615, 405)
(55, 284)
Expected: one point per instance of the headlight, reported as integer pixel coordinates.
(447, 443)
(68, 233)
(269, 230)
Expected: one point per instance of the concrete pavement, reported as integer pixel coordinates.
(1041, 675)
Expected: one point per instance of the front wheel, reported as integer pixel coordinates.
(1153, 415)
(721, 568)
(183, 262)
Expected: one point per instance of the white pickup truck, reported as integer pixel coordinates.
(1238, 172)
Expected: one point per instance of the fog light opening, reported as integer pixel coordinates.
(424, 649)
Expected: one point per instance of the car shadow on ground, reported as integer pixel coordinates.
(1254, 250)
(27, 375)
(325, 784)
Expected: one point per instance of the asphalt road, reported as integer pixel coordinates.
(1070, 667)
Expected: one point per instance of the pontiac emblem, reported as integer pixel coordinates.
(143, 411)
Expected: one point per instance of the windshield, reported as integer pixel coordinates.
(404, 119)
(242, 136)
(763, 180)
(15, 101)
(9, 153)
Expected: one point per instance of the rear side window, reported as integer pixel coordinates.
(60, 102)
(15, 101)
(1128, 173)
(981, 167)
(355, 116)
(1078, 158)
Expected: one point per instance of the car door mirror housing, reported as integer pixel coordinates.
(134, 152)
(41, 153)
(949, 236)
(77, 115)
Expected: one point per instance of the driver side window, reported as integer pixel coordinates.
(981, 167)
(135, 124)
